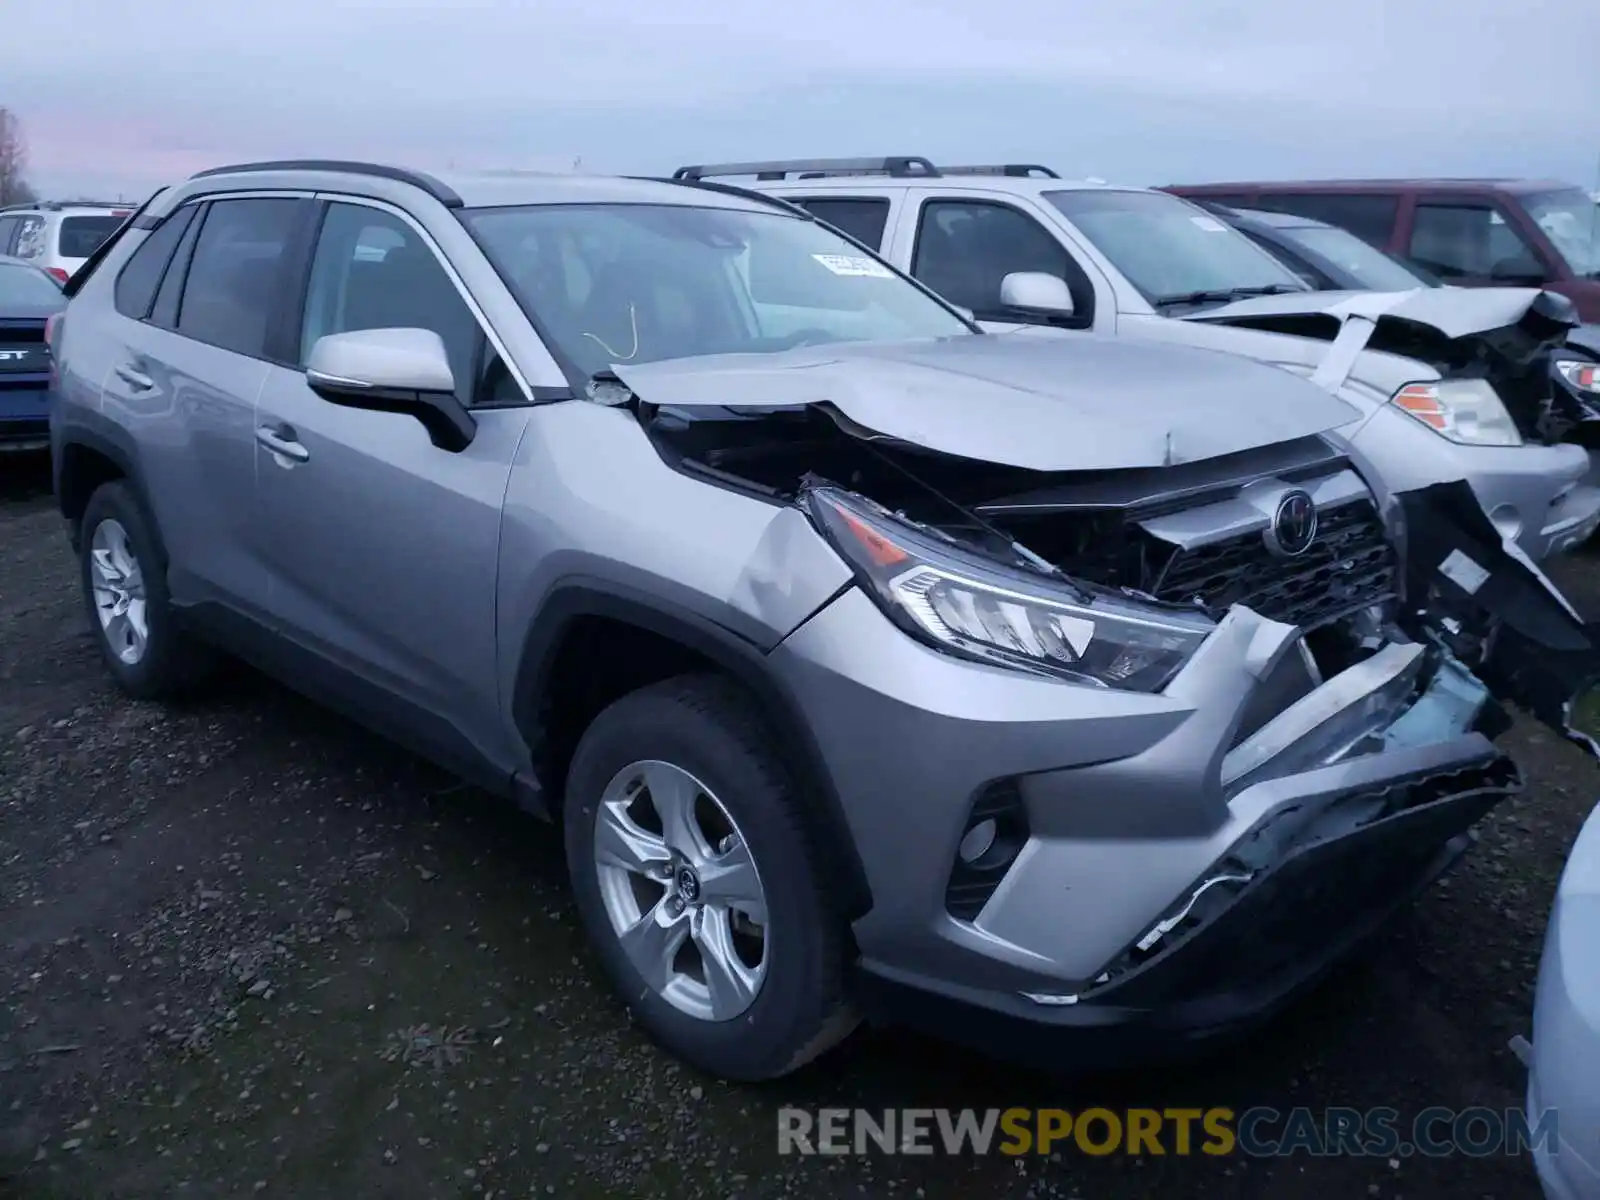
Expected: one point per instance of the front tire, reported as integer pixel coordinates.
(698, 880)
(125, 592)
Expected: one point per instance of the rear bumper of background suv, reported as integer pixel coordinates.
(1114, 820)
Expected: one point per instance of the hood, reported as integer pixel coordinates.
(1453, 312)
(1078, 404)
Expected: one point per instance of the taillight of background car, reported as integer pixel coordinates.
(60, 275)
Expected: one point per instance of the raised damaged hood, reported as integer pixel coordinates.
(1498, 332)
(1049, 405)
(1454, 312)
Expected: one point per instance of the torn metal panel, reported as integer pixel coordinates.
(1497, 611)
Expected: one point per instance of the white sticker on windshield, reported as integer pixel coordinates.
(1209, 224)
(853, 264)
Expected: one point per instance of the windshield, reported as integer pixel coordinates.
(1374, 268)
(80, 236)
(1171, 250)
(1571, 220)
(621, 283)
(26, 286)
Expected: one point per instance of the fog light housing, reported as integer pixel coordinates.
(995, 832)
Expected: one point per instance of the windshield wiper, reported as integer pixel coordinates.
(1223, 295)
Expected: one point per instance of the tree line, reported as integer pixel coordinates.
(14, 187)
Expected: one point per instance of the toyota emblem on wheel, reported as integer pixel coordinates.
(1294, 524)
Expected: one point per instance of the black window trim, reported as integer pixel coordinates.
(144, 316)
(299, 284)
(1080, 319)
(182, 255)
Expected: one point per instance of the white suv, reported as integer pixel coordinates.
(58, 237)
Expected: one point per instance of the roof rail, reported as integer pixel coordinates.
(58, 205)
(728, 189)
(1013, 170)
(899, 167)
(418, 179)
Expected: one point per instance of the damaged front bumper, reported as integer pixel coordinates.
(1050, 861)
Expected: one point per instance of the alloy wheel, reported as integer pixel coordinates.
(117, 581)
(681, 890)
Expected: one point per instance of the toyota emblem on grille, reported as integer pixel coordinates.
(1294, 524)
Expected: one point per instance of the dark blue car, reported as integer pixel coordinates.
(28, 298)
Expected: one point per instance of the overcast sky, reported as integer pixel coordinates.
(119, 97)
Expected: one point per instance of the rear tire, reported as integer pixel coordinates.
(124, 582)
(695, 736)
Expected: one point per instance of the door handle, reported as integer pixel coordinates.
(137, 380)
(282, 444)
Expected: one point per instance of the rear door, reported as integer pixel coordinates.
(196, 304)
(383, 547)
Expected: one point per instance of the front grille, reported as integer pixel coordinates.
(1349, 567)
(22, 348)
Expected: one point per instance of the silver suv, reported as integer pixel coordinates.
(1439, 380)
(871, 664)
(58, 238)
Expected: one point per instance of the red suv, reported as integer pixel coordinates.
(1505, 232)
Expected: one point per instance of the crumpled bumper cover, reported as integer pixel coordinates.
(1279, 934)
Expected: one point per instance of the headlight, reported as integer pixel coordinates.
(1467, 411)
(965, 604)
(1585, 376)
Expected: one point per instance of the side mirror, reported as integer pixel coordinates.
(1037, 294)
(393, 370)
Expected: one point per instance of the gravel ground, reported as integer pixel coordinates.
(246, 948)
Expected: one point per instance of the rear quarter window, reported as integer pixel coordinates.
(141, 275)
(862, 218)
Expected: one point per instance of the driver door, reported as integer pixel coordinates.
(381, 546)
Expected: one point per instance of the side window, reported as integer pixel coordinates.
(1470, 241)
(374, 271)
(8, 226)
(31, 237)
(862, 218)
(232, 285)
(1370, 218)
(966, 247)
(136, 285)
